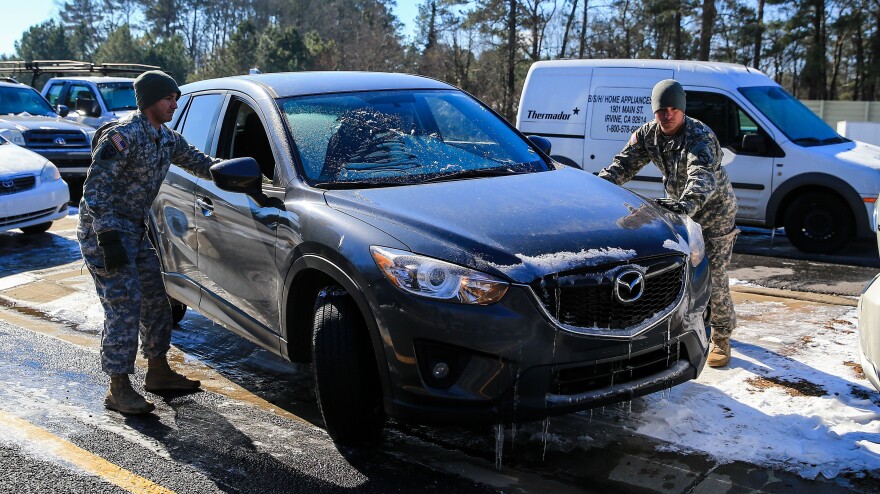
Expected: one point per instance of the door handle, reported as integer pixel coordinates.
(206, 206)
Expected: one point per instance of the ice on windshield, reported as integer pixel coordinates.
(790, 116)
(23, 100)
(402, 136)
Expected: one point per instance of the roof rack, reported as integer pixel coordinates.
(70, 67)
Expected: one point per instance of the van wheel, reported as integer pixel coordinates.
(34, 229)
(178, 311)
(818, 222)
(346, 378)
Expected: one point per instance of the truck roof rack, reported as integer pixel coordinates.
(70, 67)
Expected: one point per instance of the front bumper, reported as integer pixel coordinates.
(511, 362)
(869, 331)
(46, 202)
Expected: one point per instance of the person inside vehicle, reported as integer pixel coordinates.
(689, 156)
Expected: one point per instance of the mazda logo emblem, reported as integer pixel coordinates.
(60, 141)
(8, 183)
(629, 286)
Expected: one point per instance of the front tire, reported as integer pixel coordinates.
(178, 311)
(346, 378)
(35, 229)
(818, 222)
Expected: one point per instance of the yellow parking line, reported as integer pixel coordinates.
(87, 461)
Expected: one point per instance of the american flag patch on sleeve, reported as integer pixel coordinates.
(118, 142)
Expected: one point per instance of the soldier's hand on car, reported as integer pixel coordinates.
(114, 254)
(672, 205)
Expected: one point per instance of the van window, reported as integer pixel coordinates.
(81, 99)
(54, 92)
(200, 118)
(729, 122)
(791, 117)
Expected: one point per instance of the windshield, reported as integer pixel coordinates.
(790, 116)
(17, 100)
(118, 95)
(385, 138)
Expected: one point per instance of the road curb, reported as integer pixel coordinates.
(791, 294)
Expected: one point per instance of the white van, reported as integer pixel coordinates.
(787, 166)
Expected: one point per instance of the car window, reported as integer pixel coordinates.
(244, 135)
(54, 92)
(724, 116)
(200, 118)
(118, 95)
(402, 137)
(81, 99)
(22, 99)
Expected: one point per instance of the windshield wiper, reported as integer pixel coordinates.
(806, 140)
(835, 140)
(474, 173)
(358, 184)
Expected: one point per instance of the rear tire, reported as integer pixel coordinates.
(35, 229)
(818, 222)
(346, 378)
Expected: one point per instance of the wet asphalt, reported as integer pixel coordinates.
(257, 427)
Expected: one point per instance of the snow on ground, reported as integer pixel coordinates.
(791, 397)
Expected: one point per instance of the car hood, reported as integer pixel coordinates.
(520, 227)
(27, 122)
(855, 152)
(14, 160)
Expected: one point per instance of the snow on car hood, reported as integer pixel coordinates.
(519, 226)
(15, 160)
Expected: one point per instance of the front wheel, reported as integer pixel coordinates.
(178, 311)
(34, 229)
(346, 377)
(818, 222)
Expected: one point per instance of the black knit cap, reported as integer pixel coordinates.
(667, 93)
(152, 86)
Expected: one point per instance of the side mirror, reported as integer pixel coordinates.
(541, 143)
(754, 143)
(238, 175)
(62, 110)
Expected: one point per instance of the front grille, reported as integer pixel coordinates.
(71, 163)
(581, 379)
(13, 185)
(8, 220)
(585, 299)
(52, 138)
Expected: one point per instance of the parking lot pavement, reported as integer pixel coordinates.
(790, 413)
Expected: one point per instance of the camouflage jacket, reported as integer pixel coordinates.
(690, 162)
(130, 159)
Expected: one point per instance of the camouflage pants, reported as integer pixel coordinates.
(133, 298)
(719, 250)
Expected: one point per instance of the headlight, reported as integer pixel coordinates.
(50, 173)
(695, 241)
(432, 278)
(13, 136)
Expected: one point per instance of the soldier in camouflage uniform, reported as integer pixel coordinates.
(688, 154)
(129, 161)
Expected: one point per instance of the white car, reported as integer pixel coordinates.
(32, 193)
(869, 320)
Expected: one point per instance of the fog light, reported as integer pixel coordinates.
(440, 371)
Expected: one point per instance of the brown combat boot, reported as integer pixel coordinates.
(161, 377)
(720, 354)
(124, 399)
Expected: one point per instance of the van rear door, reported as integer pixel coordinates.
(619, 102)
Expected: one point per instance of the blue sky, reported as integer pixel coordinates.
(18, 17)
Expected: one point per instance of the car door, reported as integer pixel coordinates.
(750, 170)
(174, 208)
(236, 234)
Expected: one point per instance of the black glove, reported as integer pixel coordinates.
(672, 205)
(114, 254)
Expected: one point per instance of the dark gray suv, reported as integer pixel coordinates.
(430, 261)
